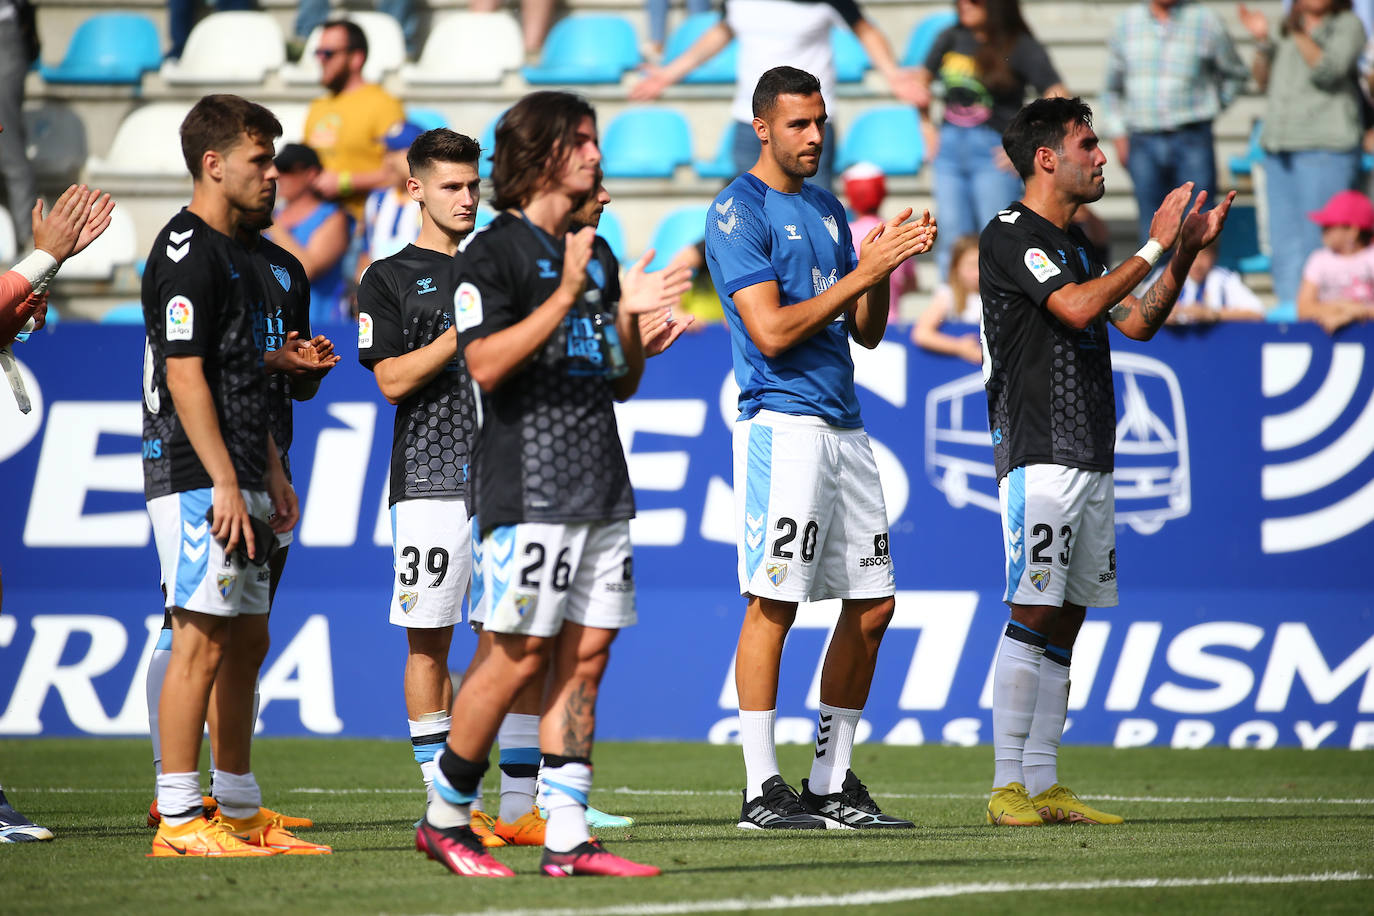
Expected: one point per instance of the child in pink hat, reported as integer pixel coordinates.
(1338, 279)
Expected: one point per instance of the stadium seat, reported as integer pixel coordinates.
(9, 242)
(646, 143)
(229, 48)
(1239, 247)
(427, 118)
(1243, 164)
(924, 35)
(292, 118)
(491, 47)
(117, 246)
(386, 50)
(614, 234)
(488, 142)
(681, 227)
(719, 69)
(888, 136)
(851, 60)
(124, 313)
(1283, 313)
(56, 142)
(147, 142)
(586, 48)
(109, 48)
(723, 165)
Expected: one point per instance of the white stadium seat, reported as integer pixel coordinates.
(9, 244)
(235, 47)
(386, 50)
(292, 118)
(491, 46)
(147, 142)
(117, 246)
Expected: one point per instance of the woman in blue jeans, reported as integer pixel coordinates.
(985, 63)
(1311, 135)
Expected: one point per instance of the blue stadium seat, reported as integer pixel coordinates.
(680, 228)
(719, 69)
(109, 48)
(1283, 313)
(610, 229)
(593, 48)
(924, 35)
(124, 313)
(1240, 243)
(851, 60)
(428, 118)
(723, 165)
(1241, 165)
(646, 143)
(889, 137)
(488, 142)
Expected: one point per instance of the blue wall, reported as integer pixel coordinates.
(1245, 495)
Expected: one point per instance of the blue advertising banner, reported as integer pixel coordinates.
(1244, 500)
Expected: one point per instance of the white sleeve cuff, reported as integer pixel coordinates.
(37, 268)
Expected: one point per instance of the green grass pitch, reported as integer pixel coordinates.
(1207, 831)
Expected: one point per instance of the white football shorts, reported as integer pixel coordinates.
(196, 574)
(431, 542)
(536, 575)
(809, 511)
(1058, 530)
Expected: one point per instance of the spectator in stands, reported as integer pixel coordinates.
(182, 16)
(1338, 281)
(313, 13)
(1311, 135)
(955, 300)
(1171, 69)
(985, 61)
(1211, 293)
(348, 125)
(18, 50)
(391, 218)
(658, 22)
(774, 33)
(536, 16)
(865, 189)
(314, 231)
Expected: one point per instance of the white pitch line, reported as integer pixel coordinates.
(931, 892)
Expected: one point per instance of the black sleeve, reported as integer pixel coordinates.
(1020, 264)
(189, 283)
(300, 304)
(1030, 59)
(485, 300)
(938, 49)
(849, 11)
(381, 330)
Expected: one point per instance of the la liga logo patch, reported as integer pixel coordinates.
(364, 330)
(181, 317)
(1040, 265)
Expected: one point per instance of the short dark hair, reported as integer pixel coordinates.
(781, 81)
(217, 122)
(357, 38)
(1044, 122)
(527, 135)
(441, 145)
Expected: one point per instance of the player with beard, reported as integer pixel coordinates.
(809, 504)
(1047, 300)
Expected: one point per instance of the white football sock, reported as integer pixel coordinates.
(441, 812)
(427, 735)
(760, 749)
(179, 794)
(1015, 689)
(1040, 762)
(157, 673)
(564, 796)
(835, 727)
(237, 793)
(519, 761)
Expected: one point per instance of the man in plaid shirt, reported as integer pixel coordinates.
(1171, 69)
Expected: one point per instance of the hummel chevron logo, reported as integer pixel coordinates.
(726, 225)
(753, 538)
(1009, 216)
(179, 244)
(754, 522)
(194, 533)
(1014, 545)
(193, 553)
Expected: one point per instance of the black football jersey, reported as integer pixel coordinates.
(548, 449)
(202, 297)
(1050, 398)
(287, 291)
(405, 302)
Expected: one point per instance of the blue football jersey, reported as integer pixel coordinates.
(755, 234)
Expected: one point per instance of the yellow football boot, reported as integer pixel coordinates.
(1010, 806)
(204, 838)
(265, 830)
(528, 829)
(484, 825)
(287, 821)
(1057, 805)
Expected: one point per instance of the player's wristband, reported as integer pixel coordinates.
(345, 184)
(38, 268)
(1151, 252)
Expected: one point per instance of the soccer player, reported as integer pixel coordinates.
(406, 337)
(807, 492)
(809, 504)
(212, 477)
(1047, 299)
(538, 323)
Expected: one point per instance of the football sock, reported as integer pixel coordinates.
(455, 787)
(519, 740)
(1040, 762)
(237, 793)
(567, 780)
(835, 727)
(157, 672)
(477, 797)
(760, 751)
(178, 798)
(1015, 689)
(427, 735)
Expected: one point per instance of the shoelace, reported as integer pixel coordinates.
(857, 796)
(784, 800)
